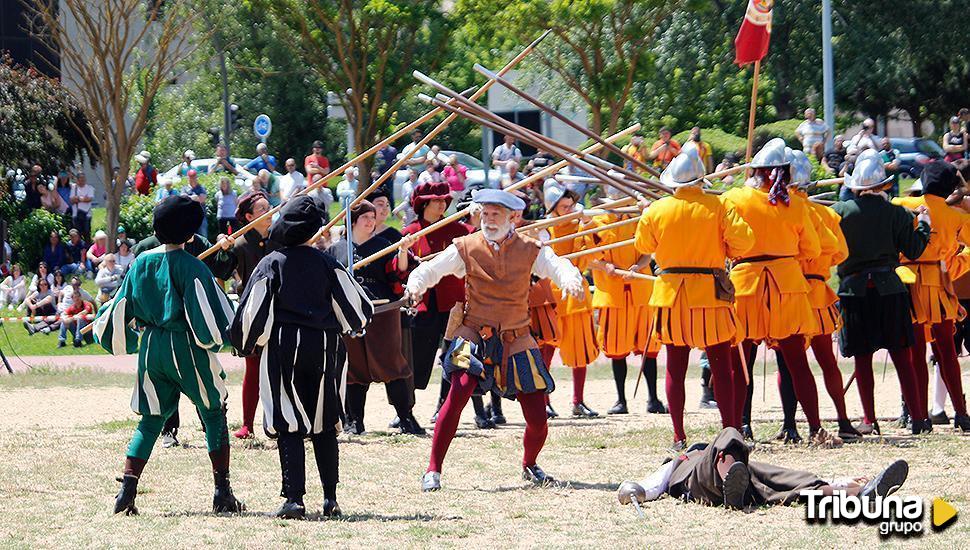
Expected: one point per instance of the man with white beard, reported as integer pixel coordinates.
(494, 347)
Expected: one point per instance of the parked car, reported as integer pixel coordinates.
(475, 176)
(914, 153)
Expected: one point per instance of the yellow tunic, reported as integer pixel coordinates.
(933, 298)
(691, 229)
(625, 316)
(772, 295)
(577, 335)
(834, 250)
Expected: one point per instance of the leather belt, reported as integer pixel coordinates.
(762, 258)
(813, 277)
(688, 271)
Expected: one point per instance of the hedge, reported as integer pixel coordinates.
(31, 232)
(136, 210)
(784, 129)
(720, 141)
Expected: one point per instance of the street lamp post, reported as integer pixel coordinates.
(828, 82)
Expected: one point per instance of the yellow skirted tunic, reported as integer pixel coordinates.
(577, 334)
(625, 317)
(834, 250)
(691, 230)
(932, 294)
(542, 313)
(771, 291)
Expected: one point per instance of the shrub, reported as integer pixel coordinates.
(785, 129)
(31, 232)
(136, 215)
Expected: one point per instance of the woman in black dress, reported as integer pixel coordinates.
(376, 356)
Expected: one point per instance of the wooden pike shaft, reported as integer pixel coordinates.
(552, 169)
(579, 128)
(590, 231)
(427, 139)
(501, 125)
(558, 220)
(603, 248)
(635, 275)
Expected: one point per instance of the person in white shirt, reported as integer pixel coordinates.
(292, 182)
(505, 152)
(109, 278)
(493, 348)
(419, 155)
(125, 255)
(347, 188)
(431, 173)
(13, 289)
(812, 132)
(865, 139)
(82, 197)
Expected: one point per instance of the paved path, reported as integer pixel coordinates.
(106, 363)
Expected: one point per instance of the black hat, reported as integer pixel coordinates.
(381, 191)
(176, 219)
(317, 143)
(299, 220)
(939, 178)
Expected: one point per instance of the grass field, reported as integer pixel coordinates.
(63, 435)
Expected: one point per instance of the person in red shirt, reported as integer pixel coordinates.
(147, 175)
(664, 149)
(315, 164)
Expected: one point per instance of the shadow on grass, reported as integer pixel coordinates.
(318, 516)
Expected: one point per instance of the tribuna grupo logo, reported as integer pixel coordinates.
(895, 515)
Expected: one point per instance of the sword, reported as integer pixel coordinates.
(387, 305)
(639, 376)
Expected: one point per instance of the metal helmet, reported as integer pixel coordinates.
(686, 168)
(630, 491)
(611, 191)
(552, 193)
(771, 155)
(800, 168)
(869, 172)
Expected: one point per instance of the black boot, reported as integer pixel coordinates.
(223, 501)
(409, 425)
(904, 417)
(551, 412)
(292, 509)
(962, 422)
(125, 501)
(483, 420)
(331, 509)
(707, 397)
(847, 431)
(498, 418)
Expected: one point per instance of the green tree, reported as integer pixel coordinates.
(600, 48)
(365, 50)
(39, 121)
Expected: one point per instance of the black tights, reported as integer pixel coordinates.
(293, 464)
(789, 403)
(398, 394)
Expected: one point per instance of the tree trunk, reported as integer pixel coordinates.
(112, 203)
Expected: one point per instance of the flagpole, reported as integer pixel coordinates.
(752, 110)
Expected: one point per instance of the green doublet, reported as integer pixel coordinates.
(173, 296)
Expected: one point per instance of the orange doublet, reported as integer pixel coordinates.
(817, 270)
(577, 335)
(691, 230)
(933, 298)
(772, 293)
(625, 317)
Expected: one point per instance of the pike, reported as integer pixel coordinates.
(590, 231)
(549, 144)
(464, 212)
(427, 139)
(501, 125)
(581, 129)
(603, 248)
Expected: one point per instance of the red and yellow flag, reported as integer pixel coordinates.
(751, 44)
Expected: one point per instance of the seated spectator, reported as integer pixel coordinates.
(430, 173)
(270, 185)
(97, 251)
(51, 200)
(40, 303)
(13, 289)
(81, 200)
(122, 235)
(167, 189)
(407, 189)
(55, 253)
(57, 284)
(74, 314)
(109, 278)
(43, 273)
(125, 255)
(263, 160)
(455, 174)
(78, 249)
(226, 198)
